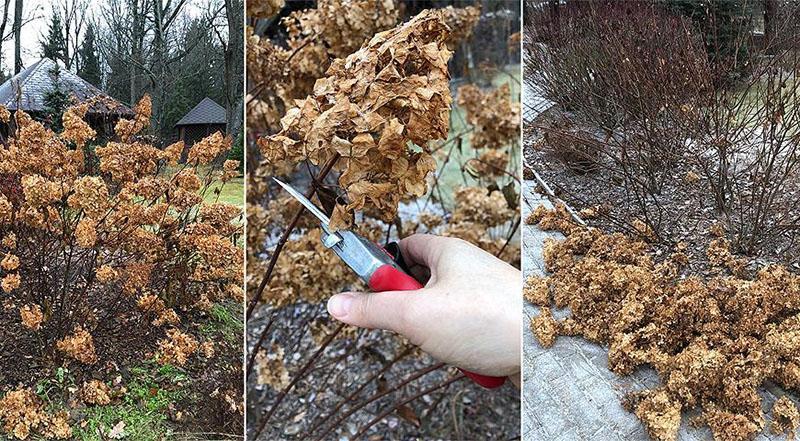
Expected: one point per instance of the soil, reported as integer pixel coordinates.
(688, 212)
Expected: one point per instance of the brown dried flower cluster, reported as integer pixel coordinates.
(339, 26)
(10, 262)
(392, 91)
(79, 345)
(23, 415)
(334, 29)
(10, 282)
(31, 316)
(208, 149)
(264, 8)
(96, 392)
(271, 369)
(713, 341)
(785, 417)
(461, 22)
(305, 270)
(494, 117)
(177, 348)
(75, 128)
(477, 211)
(490, 163)
(127, 128)
(487, 208)
(106, 274)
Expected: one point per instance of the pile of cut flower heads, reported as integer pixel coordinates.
(713, 340)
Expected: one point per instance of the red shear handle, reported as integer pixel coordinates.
(389, 278)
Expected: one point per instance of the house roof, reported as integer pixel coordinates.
(205, 112)
(28, 89)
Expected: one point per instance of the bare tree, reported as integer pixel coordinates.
(164, 16)
(73, 13)
(17, 35)
(234, 66)
(3, 24)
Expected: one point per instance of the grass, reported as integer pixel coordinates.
(230, 193)
(152, 390)
(224, 323)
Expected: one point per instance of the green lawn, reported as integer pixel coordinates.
(232, 192)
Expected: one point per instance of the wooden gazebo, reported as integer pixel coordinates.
(204, 119)
(28, 91)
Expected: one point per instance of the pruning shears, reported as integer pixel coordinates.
(380, 269)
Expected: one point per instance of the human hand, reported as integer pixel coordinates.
(469, 314)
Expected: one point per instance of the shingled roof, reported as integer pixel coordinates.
(34, 83)
(205, 112)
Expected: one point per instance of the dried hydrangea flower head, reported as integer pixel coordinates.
(177, 348)
(79, 345)
(461, 21)
(127, 128)
(10, 262)
(31, 316)
(333, 29)
(493, 115)
(208, 149)
(23, 415)
(77, 130)
(271, 368)
(96, 392)
(10, 282)
(785, 417)
(392, 91)
(264, 8)
(36, 150)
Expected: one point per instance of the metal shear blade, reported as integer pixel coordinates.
(331, 238)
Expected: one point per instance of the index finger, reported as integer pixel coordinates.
(422, 249)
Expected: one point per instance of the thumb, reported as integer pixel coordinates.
(384, 310)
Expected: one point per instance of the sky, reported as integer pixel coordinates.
(32, 32)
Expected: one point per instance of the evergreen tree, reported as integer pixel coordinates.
(54, 46)
(56, 102)
(198, 75)
(87, 58)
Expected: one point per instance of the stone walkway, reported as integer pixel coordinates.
(569, 393)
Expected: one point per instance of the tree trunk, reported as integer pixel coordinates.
(17, 35)
(234, 81)
(3, 27)
(137, 38)
(770, 24)
(158, 69)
